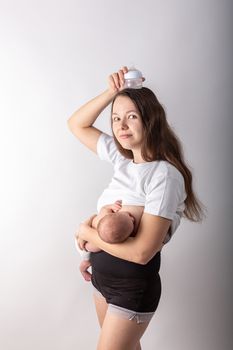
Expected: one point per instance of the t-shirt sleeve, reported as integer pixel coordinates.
(164, 197)
(106, 148)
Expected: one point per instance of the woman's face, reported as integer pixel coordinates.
(127, 124)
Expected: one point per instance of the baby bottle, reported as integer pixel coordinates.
(133, 79)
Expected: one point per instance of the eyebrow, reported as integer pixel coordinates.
(127, 112)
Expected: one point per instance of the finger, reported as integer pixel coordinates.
(115, 77)
(83, 268)
(86, 276)
(124, 69)
(112, 83)
(115, 208)
(118, 207)
(81, 244)
(87, 264)
(121, 77)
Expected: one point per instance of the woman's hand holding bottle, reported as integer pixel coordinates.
(116, 80)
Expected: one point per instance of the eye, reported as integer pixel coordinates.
(115, 119)
(132, 116)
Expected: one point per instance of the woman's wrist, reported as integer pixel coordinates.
(110, 94)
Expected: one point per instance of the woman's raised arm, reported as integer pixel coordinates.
(81, 122)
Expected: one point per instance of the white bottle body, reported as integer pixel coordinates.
(133, 79)
(133, 83)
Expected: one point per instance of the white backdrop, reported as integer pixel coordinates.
(56, 55)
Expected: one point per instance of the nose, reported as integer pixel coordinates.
(123, 124)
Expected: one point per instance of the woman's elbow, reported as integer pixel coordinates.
(139, 259)
(144, 258)
(71, 124)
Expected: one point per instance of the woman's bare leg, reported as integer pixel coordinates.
(101, 308)
(118, 333)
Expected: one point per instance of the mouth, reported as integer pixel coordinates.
(123, 137)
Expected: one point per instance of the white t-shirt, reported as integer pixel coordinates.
(156, 185)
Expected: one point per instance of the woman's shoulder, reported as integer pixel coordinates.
(165, 169)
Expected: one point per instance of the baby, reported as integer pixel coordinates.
(114, 224)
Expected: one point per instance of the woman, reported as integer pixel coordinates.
(149, 172)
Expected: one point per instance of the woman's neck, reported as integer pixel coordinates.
(137, 158)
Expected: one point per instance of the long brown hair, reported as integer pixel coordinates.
(161, 143)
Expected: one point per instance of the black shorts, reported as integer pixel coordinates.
(129, 285)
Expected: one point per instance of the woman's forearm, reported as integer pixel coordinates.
(128, 250)
(86, 115)
(139, 249)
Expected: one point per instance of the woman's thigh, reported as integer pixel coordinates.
(101, 307)
(118, 333)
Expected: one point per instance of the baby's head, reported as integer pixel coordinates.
(116, 227)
